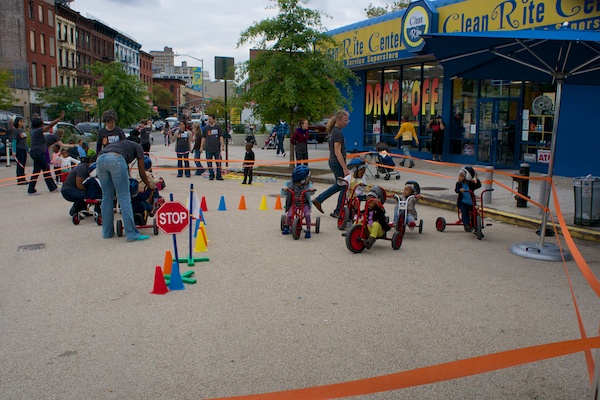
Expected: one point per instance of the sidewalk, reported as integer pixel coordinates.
(437, 182)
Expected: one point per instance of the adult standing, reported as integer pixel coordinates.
(407, 133)
(437, 128)
(112, 167)
(212, 141)
(111, 133)
(20, 139)
(38, 153)
(182, 138)
(281, 131)
(145, 135)
(300, 141)
(167, 132)
(337, 160)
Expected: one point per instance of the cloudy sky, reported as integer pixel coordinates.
(203, 28)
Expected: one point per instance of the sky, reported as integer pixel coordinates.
(204, 28)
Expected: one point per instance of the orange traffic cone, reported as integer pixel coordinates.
(278, 203)
(168, 262)
(242, 205)
(203, 204)
(160, 287)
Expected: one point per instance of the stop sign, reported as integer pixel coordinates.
(172, 217)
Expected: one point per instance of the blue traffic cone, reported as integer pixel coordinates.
(222, 204)
(175, 283)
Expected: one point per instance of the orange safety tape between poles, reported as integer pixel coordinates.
(431, 374)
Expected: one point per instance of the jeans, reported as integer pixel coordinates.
(280, 140)
(406, 150)
(199, 167)
(40, 164)
(217, 156)
(113, 173)
(338, 172)
(182, 161)
(21, 157)
(76, 196)
(465, 213)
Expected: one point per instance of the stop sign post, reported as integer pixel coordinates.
(172, 217)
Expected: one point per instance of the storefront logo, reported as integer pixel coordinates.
(418, 20)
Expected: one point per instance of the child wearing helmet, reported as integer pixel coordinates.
(377, 222)
(249, 158)
(467, 182)
(152, 197)
(411, 194)
(299, 183)
(356, 179)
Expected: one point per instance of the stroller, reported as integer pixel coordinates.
(385, 162)
(271, 142)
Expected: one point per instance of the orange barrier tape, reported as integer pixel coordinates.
(431, 374)
(519, 195)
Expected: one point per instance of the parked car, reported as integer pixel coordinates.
(317, 131)
(159, 125)
(6, 118)
(88, 127)
(173, 122)
(65, 126)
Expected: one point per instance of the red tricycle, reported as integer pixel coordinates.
(297, 215)
(78, 216)
(477, 216)
(350, 209)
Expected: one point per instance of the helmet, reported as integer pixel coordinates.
(468, 172)
(356, 163)
(147, 162)
(92, 170)
(133, 187)
(414, 185)
(378, 192)
(301, 174)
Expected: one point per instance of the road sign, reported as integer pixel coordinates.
(100, 92)
(172, 217)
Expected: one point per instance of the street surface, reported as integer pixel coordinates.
(270, 313)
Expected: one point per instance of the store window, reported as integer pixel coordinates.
(431, 101)
(462, 125)
(373, 107)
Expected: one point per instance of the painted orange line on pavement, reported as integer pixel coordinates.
(431, 374)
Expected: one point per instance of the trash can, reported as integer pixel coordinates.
(587, 200)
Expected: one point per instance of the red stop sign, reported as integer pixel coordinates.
(172, 217)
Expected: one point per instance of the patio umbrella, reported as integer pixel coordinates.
(561, 56)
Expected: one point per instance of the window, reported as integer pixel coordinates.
(52, 46)
(73, 60)
(62, 80)
(50, 18)
(30, 9)
(53, 76)
(44, 76)
(33, 74)
(72, 40)
(42, 43)
(41, 14)
(464, 106)
(58, 29)
(32, 40)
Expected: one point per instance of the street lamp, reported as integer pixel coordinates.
(202, 61)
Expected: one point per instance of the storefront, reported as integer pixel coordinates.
(487, 121)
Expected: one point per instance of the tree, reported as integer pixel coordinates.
(216, 107)
(6, 97)
(161, 96)
(295, 75)
(373, 11)
(124, 93)
(63, 98)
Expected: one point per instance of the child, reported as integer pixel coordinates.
(467, 181)
(411, 188)
(377, 222)
(55, 161)
(248, 164)
(299, 183)
(66, 161)
(355, 181)
(151, 197)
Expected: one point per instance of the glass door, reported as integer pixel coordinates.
(497, 128)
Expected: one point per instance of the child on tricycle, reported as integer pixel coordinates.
(297, 193)
(354, 192)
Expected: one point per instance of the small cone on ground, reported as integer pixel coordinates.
(160, 287)
(242, 205)
(176, 283)
(202, 230)
(200, 242)
(168, 262)
(203, 204)
(222, 204)
(263, 203)
(278, 203)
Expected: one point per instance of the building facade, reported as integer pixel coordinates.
(488, 121)
(66, 49)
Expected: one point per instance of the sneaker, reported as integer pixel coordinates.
(211, 178)
(286, 231)
(32, 193)
(369, 242)
(469, 228)
(317, 205)
(307, 235)
(334, 215)
(244, 182)
(179, 176)
(411, 165)
(219, 178)
(283, 155)
(72, 211)
(141, 237)
(55, 190)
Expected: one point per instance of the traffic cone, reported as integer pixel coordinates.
(200, 242)
(278, 203)
(160, 287)
(222, 204)
(203, 204)
(168, 262)
(263, 203)
(176, 283)
(242, 205)
(203, 232)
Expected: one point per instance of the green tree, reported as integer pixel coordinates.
(161, 96)
(217, 107)
(295, 76)
(373, 11)
(124, 93)
(67, 98)
(6, 97)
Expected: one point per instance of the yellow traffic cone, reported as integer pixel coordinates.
(263, 203)
(200, 242)
(202, 229)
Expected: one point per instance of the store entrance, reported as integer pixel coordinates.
(498, 128)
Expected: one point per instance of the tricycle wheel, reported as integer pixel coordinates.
(99, 219)
(479, 227)
(343, 218)
(282, 222)
(155, 226)
(396, 240)
(76, 219)
(119, 228)
(398, 176)
(318, 225)
(421, 226)
(400, 221)
(440, 224)
(355, 238)
(296, 228)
